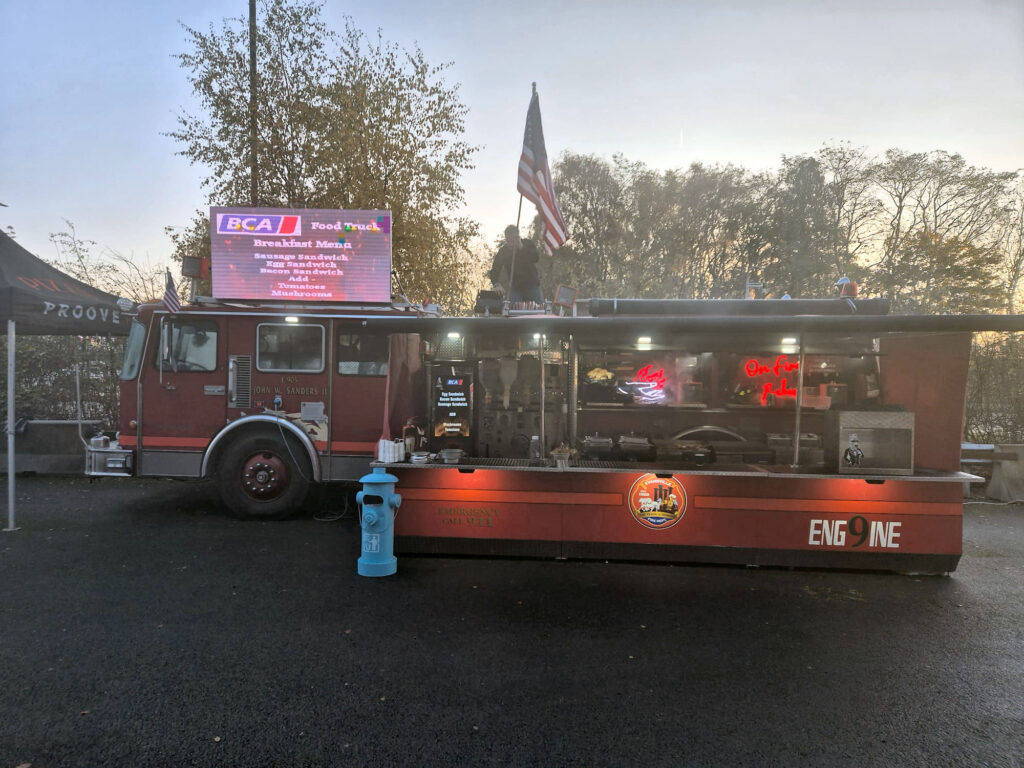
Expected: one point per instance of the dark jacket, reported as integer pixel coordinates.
(526, 276)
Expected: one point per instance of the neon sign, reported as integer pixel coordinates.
(647, 386)
(782, 366)
(655, 378)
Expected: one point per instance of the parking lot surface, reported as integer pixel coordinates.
(140, 625)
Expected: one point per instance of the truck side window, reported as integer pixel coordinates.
(290, 347)
(187, 345)
(133, 351)
(362, 354)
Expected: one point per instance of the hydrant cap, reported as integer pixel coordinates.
(378, 475)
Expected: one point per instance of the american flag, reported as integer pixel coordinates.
(171, 300)
(535, 180)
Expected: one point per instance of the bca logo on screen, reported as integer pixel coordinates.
(235, 224)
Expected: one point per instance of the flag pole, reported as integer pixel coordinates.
(519, 215)
(512, 262)
(10, 426)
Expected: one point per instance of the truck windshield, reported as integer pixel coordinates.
(187, 344)
(133, 351)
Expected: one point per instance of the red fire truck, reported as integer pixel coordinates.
(270, 400)
(802, 432)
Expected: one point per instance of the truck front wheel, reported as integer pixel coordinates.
(259, 478)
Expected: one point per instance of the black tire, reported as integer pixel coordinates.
(258, 478)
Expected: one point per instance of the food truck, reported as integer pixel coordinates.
(816, 433)
(786, 433)
(820, 433)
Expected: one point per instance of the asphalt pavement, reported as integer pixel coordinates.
(140, 625)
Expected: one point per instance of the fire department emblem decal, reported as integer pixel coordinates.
(657, 502)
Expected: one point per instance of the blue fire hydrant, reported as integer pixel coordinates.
(378, 502)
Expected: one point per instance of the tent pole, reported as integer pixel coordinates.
(10, 427)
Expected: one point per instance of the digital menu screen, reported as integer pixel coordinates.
(453, 404)
(286, 254)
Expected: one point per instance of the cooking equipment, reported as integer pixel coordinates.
(597, 447)
(451, 455)
(811, 452)
(520, 445)
(695, 452)
(729, 447)
(785, 439)
(635, 446)
(488, 303)
(490, 378)
(528, 378)
(508, 371)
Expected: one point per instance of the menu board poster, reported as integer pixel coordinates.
(306, 255)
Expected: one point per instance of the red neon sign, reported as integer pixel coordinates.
(782, 365)
(655, 378)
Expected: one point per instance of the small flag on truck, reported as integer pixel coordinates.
(171, 300)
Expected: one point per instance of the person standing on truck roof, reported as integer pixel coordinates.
(514, 271)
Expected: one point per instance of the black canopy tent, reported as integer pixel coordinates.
(40, 300)
(46, 302)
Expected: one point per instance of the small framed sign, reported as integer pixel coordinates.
(565, 296)
(195, 266)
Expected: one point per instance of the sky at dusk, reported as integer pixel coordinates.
(88, 89)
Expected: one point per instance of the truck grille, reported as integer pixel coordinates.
(240, 381)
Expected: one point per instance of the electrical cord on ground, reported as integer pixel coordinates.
(296, 462)
(344, 514)
(997, 503)
(327, 518)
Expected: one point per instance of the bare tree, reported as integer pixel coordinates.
(1011, 244)
(138, 279)
(854, 206)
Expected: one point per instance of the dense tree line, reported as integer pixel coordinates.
(925, 230)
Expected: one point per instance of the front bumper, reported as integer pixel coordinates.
(110, 461)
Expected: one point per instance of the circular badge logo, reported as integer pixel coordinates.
(657, 502)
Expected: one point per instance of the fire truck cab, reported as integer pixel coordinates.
(269, 400)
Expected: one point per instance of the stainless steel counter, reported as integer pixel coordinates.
(471, 464)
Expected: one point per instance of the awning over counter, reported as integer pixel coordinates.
(609, 327)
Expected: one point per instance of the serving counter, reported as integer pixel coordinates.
(752, 515)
